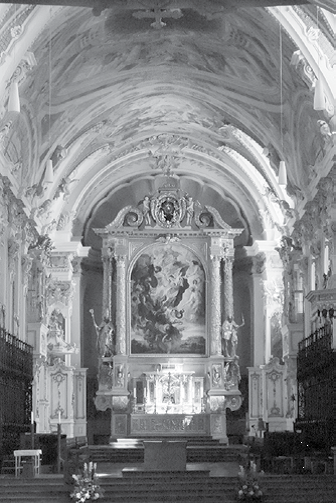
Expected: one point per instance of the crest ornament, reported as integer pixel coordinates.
(168, 211)
(169, 208)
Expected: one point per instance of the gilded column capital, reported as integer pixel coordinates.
(120, 260)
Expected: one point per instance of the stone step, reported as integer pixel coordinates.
(195, 453)
(172, 488)
(136, 473)
(8, 466)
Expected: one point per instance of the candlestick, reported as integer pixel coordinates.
(32, 429)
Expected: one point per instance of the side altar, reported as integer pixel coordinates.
(166, 348)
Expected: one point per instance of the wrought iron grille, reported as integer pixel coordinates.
(16, 375)
(315, 375)
(314, 351)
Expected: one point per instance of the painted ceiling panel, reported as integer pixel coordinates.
(199, 89)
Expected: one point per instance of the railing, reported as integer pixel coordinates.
(16, 375)
(314, 351)
(315, 376)
(16, 356)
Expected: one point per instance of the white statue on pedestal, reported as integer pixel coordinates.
(230, 336)
(105, 335)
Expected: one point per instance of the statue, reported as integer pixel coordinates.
(146, 210)
(105, 335)
(216, 377)
(56, 342)
(230, 336)
(190, 209)
(232, 374)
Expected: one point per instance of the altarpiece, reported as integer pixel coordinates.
(167, 291)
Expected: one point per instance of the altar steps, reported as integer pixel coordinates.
(132, 451)
(172, 488)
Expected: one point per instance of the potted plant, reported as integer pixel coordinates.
(86, 487)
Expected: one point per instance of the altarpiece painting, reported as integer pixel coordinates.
(168, 302)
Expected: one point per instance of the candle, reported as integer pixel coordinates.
(59, 417)
(32, 417)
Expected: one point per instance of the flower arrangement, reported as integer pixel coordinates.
(249, 486)
(85, 485)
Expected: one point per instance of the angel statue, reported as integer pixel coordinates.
(105, 335)
(230, 336)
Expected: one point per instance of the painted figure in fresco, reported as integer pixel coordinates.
(230, 336)
(105, 335)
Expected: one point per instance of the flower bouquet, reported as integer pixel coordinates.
(249, 487)
(86, 487)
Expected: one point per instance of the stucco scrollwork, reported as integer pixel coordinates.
(103, 402)
(233, 402)
(59, 291)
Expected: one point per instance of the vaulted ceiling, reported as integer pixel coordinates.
(217, 92)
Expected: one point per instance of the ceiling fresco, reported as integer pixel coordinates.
(118, 95)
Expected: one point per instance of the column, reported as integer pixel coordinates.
(228, 288)
(26, 264)
(107, 257)
(259, 307)
(215, 323)
(121, 306)
(76, 311)
(270, 266)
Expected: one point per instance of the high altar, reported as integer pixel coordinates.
(166, 367)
